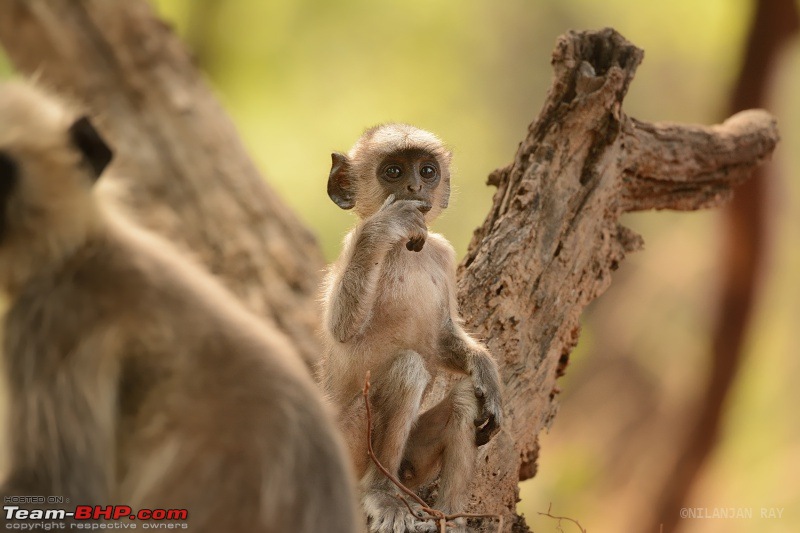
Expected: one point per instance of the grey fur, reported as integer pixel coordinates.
(393, 312)
(134, 377)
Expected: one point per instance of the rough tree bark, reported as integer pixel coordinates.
(548, 245)
(552, 237)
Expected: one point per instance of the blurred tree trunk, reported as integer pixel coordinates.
(774, 24)
(180, 167)
(546, 249)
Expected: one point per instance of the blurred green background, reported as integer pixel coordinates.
(303, 78)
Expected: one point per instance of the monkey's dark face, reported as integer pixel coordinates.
(392, 159)
(411, 174)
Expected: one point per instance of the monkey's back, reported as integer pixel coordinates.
(207, 408)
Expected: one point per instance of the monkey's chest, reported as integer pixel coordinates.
(412, 304)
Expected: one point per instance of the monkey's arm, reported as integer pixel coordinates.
(352, 286)
(462, 353)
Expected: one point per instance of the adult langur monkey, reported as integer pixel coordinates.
(133, 377)
(390, 308)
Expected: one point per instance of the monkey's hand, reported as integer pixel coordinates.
(386, 513)
(464, 354)
(405, 219)
(490, 412)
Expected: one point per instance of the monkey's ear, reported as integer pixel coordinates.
(340, 183)
(91, 144)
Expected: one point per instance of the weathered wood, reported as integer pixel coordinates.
(180, 165)
(686, 168)
(552, 237)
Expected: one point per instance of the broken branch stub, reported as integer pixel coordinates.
(552, 237)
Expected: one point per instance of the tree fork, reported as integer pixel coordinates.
(547, 247)
(553, 237)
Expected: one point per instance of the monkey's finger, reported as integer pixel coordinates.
(426, 527)
(415, 244)
(486, 430)
(483, 419)
(425, 207)
(382, 524)
(422, 206)
(483, 436)
(389, 201)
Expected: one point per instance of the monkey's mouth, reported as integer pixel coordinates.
(424, 208)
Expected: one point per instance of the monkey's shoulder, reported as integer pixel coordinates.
(110, 273)
(131, 285)
(442, 250)
(158, 322)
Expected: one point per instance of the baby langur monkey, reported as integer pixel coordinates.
(390, 308)
(133, 377)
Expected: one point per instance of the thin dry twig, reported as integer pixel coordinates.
(560, 518)
(433, 514)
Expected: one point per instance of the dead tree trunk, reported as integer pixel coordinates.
(552, 237)
(546, 249)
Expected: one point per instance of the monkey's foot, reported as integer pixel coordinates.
(459, 525)
(386, 513)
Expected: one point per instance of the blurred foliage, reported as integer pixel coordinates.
(303, 78)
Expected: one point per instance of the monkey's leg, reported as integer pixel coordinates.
(444, 436)
(460, 451)
(395, 399)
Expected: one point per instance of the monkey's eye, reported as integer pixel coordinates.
(428, 172)
(393, 172)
